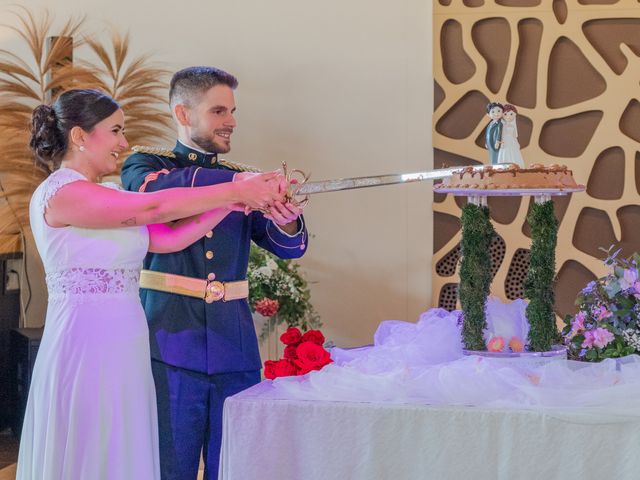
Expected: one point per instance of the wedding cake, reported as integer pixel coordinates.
(537, 176)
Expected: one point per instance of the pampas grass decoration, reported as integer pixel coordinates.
(28, 82)
(137, 85)
(24, 84)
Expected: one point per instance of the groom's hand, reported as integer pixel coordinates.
(285, 215)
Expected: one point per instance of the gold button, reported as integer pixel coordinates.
(193, 157)
(209, 234)
(209, 254)
(211, 277)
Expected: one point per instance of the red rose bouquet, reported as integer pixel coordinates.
(302, 354)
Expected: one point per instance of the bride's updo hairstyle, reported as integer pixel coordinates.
(51, 124)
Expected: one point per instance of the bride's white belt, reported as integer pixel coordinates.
(209, 291)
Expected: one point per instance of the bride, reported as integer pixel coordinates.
(91, 412)
(509, 147)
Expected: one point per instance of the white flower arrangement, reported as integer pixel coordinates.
(277, 290)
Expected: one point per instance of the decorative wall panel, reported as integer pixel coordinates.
(572, 69)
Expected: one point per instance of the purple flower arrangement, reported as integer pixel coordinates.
(607, 324)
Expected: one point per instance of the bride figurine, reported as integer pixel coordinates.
(510, 148)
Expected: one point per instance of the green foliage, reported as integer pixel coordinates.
(607, 324)
(538, 286)
(475, 273)
(276, 279)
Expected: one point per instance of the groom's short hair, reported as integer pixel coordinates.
(190, 83)
(494, 104)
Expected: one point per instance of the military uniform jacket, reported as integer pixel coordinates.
(187, 332)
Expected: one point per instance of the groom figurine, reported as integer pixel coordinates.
(493, 133)
(203, 341)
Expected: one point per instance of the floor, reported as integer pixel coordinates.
(8, 448)
(9, 473)
(8, 455)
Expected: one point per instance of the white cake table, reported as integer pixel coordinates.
(283, 439)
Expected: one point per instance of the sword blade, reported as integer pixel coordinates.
(322, 186)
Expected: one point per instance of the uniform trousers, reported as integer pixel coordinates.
(190, 417)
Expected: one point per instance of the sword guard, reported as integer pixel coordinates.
(295, 179)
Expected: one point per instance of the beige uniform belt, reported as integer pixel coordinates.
(209, 291)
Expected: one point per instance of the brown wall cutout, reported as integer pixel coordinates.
(569, 136)
(560, 10)
(522, 90)
(630, 120)
(573, 77)
(571, 279)
(492, 38)
(606, 180)
(456, 63)
(593, 230)
(461, 120)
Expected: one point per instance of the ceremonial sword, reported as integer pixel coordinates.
(300, 186)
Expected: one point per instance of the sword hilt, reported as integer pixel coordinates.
(295, 179)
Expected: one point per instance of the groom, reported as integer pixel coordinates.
(493, 133)
(203, 342)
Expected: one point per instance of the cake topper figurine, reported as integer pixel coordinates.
(509, 147)
(493, 133)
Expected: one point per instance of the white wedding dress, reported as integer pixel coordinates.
(91, 412)
(510, 150)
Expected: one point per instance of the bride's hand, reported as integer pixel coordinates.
(258, 191)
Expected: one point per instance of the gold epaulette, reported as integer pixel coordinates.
(163, 152)
(241, 167)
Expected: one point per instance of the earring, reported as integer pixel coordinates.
(81, 148)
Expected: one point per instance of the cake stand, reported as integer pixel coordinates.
(541, 195)
(473, 336)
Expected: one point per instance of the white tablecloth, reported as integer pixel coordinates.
(281, 439)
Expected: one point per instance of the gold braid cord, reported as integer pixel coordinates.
(163, 152)
(240, 167)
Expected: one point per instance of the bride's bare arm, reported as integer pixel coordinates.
(89, 205)
(175, 236)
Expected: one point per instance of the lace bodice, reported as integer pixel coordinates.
(92, 281)
(81, 262)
